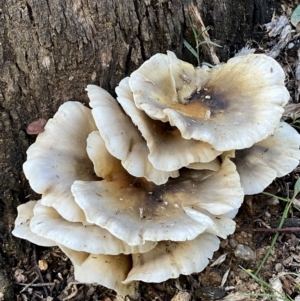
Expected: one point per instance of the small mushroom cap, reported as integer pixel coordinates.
(105, 165)
(170, 259)
(273, 157)
(106, 270)
(226, 198)
(220, 225)
(77, 257)
(54, 164)
(22, 226)
(49, 224)
(239, 103)
(214, 165)
(154, 77)
(122, 139)
(162, 139)
(136, 211)
(186, 78)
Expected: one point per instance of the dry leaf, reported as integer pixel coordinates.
(277, 287)
(219, 260)
(43, 265)
(181, 296)
(36, 127)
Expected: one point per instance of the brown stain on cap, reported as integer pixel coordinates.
(206, 103)
(209, 99)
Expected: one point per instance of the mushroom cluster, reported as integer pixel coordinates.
(142, 187)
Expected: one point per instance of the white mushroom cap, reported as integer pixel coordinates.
(122, 139)
(105, 165)
(168, 151)
(214, 165)
(106, 270)
(170, 259)
(186, 78)
(273, 157)
(239, 105)
(220, 225)
(136, 211)
(49, 224)
(58, 158)
(22, 226)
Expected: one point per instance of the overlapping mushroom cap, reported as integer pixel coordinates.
(121, 214)
(140, 189)
(273, 157)
(227, 107)
(123, 139)
(54, 164)
(162, 139)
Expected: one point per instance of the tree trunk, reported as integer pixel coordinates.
(50, 51)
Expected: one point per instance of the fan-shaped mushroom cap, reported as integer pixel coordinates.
(236, 105)
(170, 259)
(273, 157)
(22, 226)
(54, 164)
(123, 140)
(106, 270)
(49, 224)
(136, 211)
(168, 151)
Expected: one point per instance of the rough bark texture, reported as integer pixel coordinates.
(50, 51)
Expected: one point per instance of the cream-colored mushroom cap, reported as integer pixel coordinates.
(236, 105)
(105, 165)
(170, 259)
(214, 165)
(59, 157)
(47, 223)
(22, 226)
(168, 151)
(106, 270)
(122, 138)
(273, 157)
(136, 211)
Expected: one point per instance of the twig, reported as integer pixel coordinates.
(38, 270)
(207, 47)
(290, 229)
(28, 285)
(73, 293)
(154, 292)
(35, 284)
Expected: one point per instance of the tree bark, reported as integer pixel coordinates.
(50, 51)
